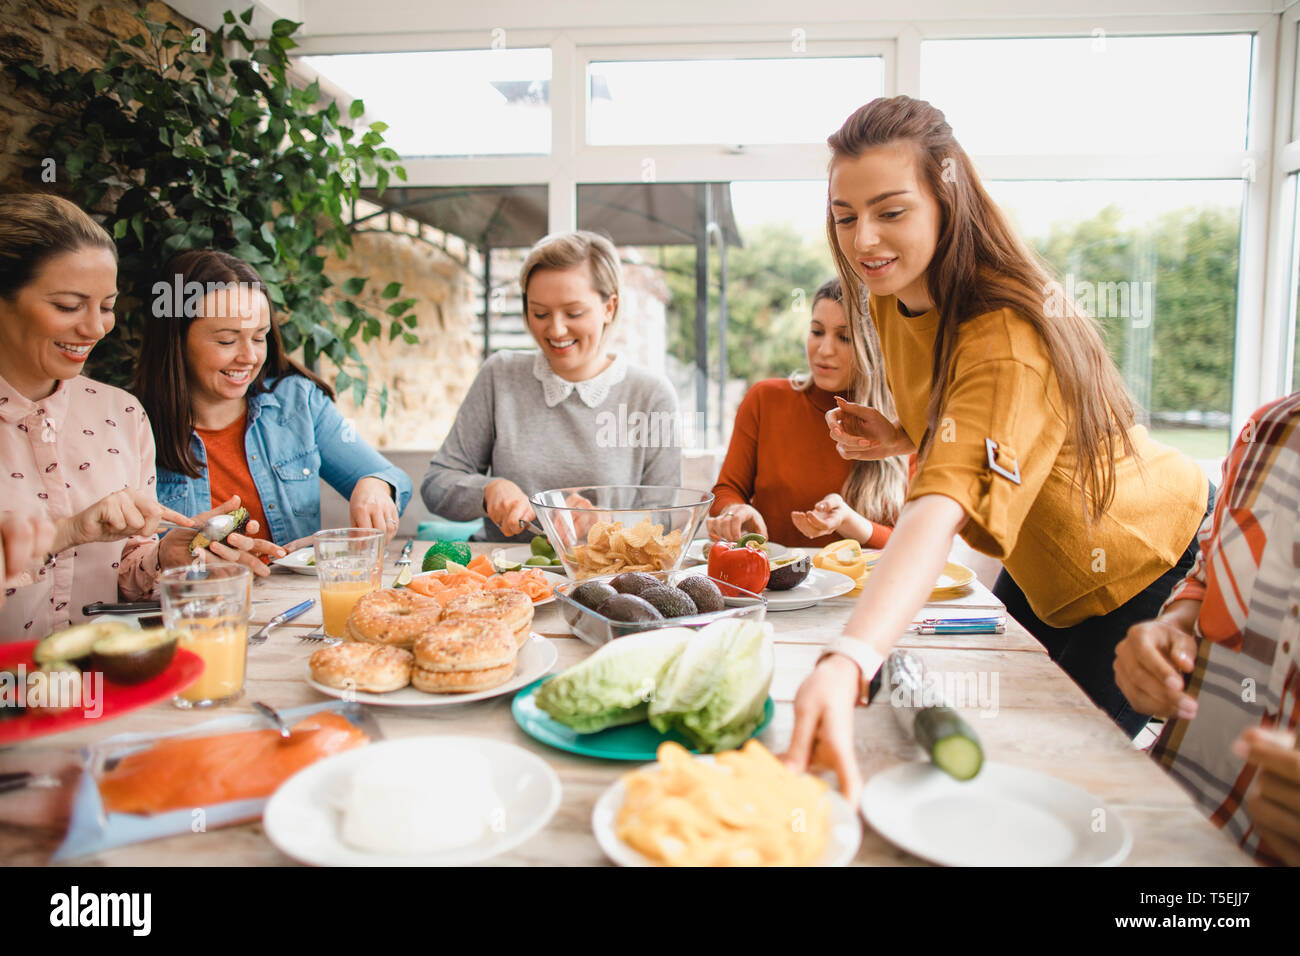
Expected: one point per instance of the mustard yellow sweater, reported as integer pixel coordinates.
(1004, 389)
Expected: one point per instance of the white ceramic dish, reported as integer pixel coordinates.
(536, 658)
(304, 819)
(520, 553)
(1006, 816)
(841, 848)
(296, 561)
(820, 585)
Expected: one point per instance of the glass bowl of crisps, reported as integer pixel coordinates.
(603, 530)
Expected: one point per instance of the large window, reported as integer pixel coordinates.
(794, 100)
(456, 103)
(1093, 94)
(1156, 264)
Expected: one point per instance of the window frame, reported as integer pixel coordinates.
(1265, 307)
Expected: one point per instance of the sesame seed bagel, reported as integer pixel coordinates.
(391, 616)
(460, 682)
(465, 644)
(368, 667)
(510, 607)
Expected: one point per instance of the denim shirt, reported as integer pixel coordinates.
(294, 436)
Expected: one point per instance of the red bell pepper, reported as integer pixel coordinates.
(742, 565)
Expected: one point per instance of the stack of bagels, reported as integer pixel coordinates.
(396, 637)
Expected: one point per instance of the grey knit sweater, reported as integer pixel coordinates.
(504, 429)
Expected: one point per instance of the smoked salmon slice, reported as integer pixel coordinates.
(202, 771)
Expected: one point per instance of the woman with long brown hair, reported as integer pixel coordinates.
(233, 415)
(78, 454)
(1026, 438)
(782, 477)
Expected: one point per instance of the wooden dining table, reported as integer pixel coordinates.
(1042, 721)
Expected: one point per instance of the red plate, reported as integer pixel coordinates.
(118, 699)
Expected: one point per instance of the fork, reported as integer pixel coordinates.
(315, 637)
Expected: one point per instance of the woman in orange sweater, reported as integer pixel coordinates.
(782, 476)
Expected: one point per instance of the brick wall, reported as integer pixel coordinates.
(61, 34)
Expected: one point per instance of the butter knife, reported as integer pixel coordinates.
(281, 618)
(404, 565)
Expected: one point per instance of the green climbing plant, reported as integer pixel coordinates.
(196, 140)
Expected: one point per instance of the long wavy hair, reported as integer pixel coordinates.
(980, 265)
(875, 489)
(162, 381)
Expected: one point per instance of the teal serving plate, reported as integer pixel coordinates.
(638, 742)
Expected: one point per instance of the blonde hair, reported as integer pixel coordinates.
(36, 227)
(566, 250)
(874, 489)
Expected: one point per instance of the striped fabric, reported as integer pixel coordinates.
(1248, 580)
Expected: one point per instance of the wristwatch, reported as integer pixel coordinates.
(862, 654)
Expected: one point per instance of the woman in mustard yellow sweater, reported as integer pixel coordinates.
(1025, 432)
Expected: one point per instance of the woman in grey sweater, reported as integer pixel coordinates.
(568, 414)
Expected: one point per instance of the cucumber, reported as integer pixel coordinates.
(939, 730)
(950, 742)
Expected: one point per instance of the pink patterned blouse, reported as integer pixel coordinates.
(64, 453)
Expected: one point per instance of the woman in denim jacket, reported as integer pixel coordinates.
(233, 415)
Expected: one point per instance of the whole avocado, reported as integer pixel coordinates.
(633, 582)
(592, 594)
(703, 592)
(669, 601)
(628, 607)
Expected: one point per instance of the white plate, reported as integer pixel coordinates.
(699, 551)
(841, 847)
(297, 561)
(302, 818)
(820, 585)
(1006, 816)
(552, 580)
(536, 658)
(520, 553)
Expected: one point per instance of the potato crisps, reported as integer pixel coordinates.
(743, 809)
(611, 549)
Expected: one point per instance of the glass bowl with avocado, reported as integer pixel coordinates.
(599, 610)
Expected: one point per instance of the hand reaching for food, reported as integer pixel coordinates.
(735, 521)
(861, 432)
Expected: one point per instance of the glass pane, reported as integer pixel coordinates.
(1097, 94)
(1293, 383)
(452, 103)
(771, 280)
(795, 100)
(1156, 264)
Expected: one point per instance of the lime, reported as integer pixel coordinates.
(541, 547)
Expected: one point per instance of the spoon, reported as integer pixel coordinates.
(214, 529)
(270, 712)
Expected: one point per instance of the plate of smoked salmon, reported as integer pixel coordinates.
(37, 707)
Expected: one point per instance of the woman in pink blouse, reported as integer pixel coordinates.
(75, 450)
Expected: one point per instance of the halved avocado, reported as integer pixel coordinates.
(134, 657)
(73, 644)
(241, 521)
(788, 573)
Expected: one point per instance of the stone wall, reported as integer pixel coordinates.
(61, 34)
(427, 381)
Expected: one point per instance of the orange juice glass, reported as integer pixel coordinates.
(208, 608)
(349, 563)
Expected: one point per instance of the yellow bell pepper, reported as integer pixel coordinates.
(845, 557)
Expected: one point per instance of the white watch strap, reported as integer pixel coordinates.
(861, 653)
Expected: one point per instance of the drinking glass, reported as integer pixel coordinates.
(349, 563)
(208, 608)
